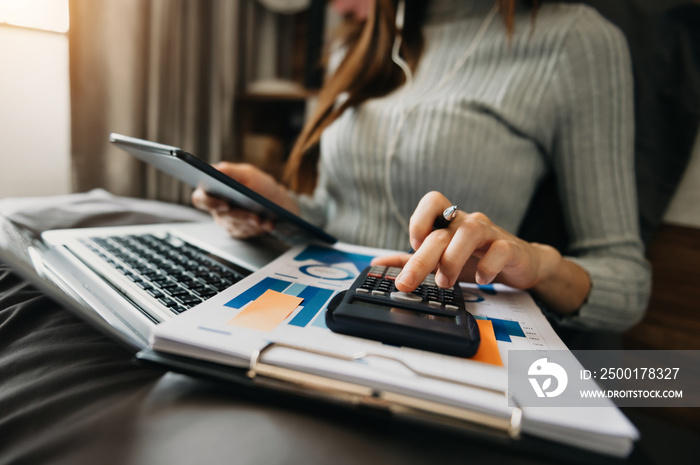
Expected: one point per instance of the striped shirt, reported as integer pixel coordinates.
(556, 97)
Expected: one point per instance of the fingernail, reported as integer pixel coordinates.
(405, 278)
(223, 208)
(442, 281)
(483, 280)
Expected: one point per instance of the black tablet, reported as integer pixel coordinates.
(197, 173)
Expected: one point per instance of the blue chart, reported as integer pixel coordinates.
(331, 264)
(333, 256)
(504, 329)
(315, 299)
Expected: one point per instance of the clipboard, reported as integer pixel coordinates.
(264, 379)
(262, 374)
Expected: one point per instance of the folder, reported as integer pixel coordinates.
(287, 348)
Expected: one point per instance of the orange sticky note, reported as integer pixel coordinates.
(266, 312)
(488, 348)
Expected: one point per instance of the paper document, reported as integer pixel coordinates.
(285, 302)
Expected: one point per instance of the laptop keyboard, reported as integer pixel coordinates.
(174, 273)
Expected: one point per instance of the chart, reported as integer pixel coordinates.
(331, 264)
(314, 298)
(504, 329)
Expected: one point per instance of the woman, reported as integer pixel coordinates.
(478, 102)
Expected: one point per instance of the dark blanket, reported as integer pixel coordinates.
(68, 393)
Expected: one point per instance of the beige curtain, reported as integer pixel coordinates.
(164, 70)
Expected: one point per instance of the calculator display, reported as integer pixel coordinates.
(404, 311)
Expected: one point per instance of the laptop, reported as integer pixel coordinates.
(127, 279)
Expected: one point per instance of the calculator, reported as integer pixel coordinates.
(429, 318)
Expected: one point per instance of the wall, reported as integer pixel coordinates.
(685, 207)
(34, 113)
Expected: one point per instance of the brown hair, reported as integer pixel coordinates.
(366, 72)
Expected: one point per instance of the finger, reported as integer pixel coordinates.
(261, 182)
(240, 228)
(242, 217)
(424, 260)
(494, 260)
(421, 223)
(473, 232)
(242, 223)
(246, 174)
(206, 202)
(398, 260)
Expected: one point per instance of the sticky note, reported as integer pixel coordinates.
(266, 312)
(488, 348)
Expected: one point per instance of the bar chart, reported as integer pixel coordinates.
(504, 329)
(313, 298)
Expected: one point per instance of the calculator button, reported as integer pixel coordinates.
(393, 272)
(376, 271)
(451, 308)
(406, 297)
(434, 304)
(378, 293)
(362, 290)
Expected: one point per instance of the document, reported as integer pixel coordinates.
(285, 303)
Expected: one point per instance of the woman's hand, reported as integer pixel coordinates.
(238, 222)
(473, 249)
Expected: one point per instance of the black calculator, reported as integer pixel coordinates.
(429, 318)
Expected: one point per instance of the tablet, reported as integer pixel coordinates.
(197, 173)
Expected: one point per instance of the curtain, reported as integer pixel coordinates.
(163, 70)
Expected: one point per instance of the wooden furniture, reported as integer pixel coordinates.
(280, 71)
(672, 321)
(673, 317)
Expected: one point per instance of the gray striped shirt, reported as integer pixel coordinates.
(557, 97)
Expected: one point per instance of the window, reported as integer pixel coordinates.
(47, 15)
(34, 98)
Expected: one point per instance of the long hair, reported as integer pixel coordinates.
(366, 72)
